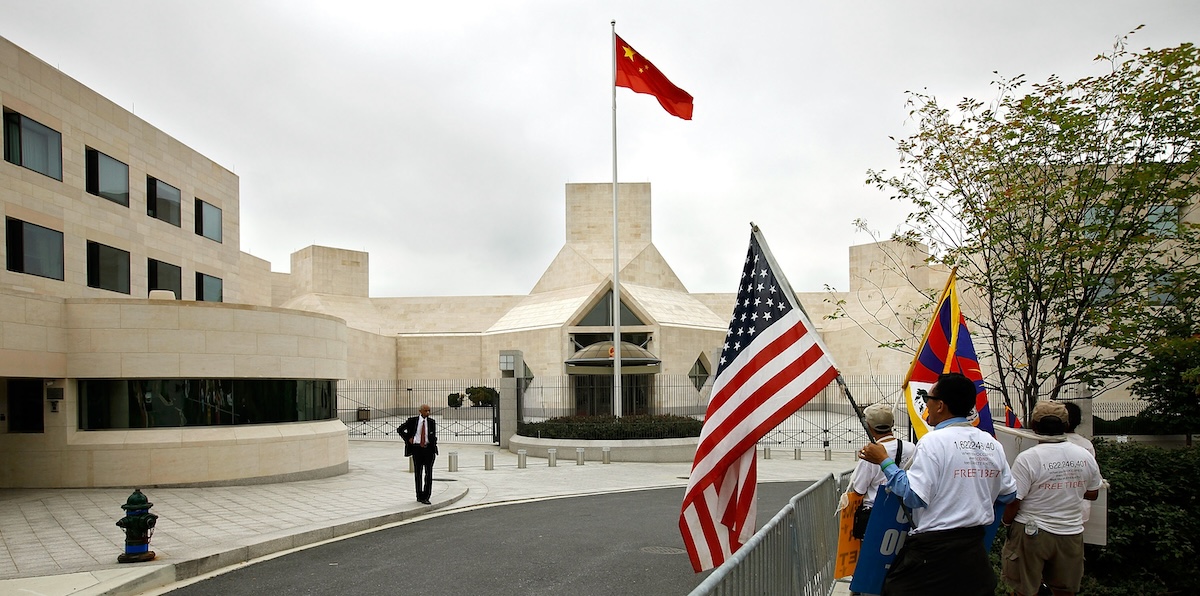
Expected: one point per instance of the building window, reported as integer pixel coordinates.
(1163, 220)
(32, 145)
(601, 314)
(164, 276)
(26, 405)
(107, 177)
(162, 201)
(208, 220)
(166, 403)
(33, 249)
(699, 374)
(208, 288)
(107, 267)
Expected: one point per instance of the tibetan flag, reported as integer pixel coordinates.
(1010, 418)
(773, 362)
(636, 72)
(946, 348)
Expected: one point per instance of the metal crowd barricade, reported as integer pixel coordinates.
(793, 553)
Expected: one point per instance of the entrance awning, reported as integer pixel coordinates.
(597, 359)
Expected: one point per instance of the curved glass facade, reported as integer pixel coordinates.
(161, 403)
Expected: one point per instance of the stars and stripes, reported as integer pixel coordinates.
(772, 363)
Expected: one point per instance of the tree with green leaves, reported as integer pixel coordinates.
(1170, 380)
(1070, 210)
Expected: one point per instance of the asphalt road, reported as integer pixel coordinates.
(601, 545)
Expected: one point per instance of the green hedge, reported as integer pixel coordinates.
(1153, 528)
(612, 428)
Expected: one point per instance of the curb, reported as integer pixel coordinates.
(163, 575)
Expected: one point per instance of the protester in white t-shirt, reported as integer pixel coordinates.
(958, 474)
(867, 476)
(1045, 538)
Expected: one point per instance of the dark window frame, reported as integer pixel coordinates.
(203, 208)
(17, 127)
(157, 206)
(98, 183)
(203, 295)
(17, 246)
(100, 274)
(153, 275)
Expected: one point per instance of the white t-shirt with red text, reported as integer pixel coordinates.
(1051, 479)
(959, 471)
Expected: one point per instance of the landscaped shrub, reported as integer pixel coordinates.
(482, 396)
(612, 428)
(1153, 528)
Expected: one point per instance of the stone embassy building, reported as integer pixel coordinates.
(140, 346)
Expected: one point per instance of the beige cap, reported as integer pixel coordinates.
(1049, 408)
(879, 417)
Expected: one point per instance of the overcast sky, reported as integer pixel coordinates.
(439, 135)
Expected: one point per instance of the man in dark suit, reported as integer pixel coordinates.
(420, 442)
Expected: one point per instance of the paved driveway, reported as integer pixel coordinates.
(619, 543)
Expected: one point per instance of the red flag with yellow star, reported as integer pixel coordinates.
(636, 72)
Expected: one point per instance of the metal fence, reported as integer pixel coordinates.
(1115, 410)
(373, 408)
(794, 553)
(555, 397)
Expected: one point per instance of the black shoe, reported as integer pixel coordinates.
(426, 501)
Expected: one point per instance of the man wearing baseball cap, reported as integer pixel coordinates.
(867, 476)
(958, 473)
(1045, 538)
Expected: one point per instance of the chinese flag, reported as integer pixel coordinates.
(636, 72)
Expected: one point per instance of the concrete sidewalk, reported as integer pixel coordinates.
(65, 541)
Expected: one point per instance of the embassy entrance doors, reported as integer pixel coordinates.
(593, 394)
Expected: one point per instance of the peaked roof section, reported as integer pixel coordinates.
(545, 309)
(574, 267)
(670, 307)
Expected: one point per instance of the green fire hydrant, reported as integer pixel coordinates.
(138, 525)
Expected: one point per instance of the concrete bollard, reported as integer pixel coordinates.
(453, 463)
(489, 460)
(412, 468)
(579, 456)
(521, 453)
(606, 455)
(828, 454)
(796, 455)
(766, 452)
(552, 455)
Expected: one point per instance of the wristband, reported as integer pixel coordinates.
(885, 463)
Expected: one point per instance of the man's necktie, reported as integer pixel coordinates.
(422, 432)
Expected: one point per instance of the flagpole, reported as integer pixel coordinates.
(862, 418)
(787, 287)
(616, 302)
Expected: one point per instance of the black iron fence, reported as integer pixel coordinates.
(373, 409)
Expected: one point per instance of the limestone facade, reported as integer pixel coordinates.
(317, 322)
(75, 306)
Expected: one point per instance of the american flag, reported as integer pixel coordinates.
(772, 363)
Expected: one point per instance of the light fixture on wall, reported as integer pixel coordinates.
(53, 394)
